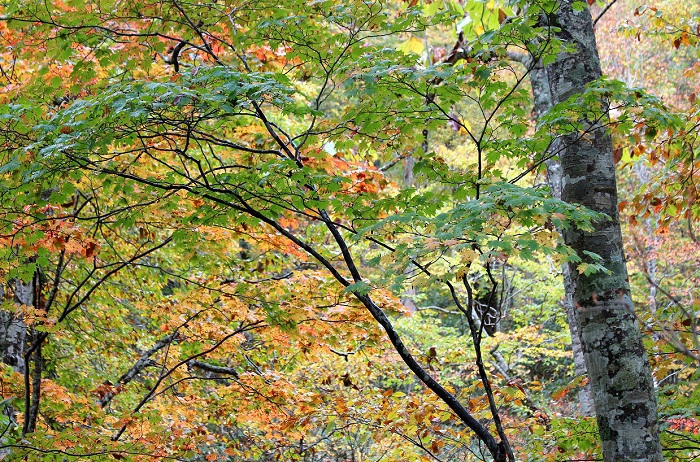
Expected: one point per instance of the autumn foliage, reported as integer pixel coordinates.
(217, 218)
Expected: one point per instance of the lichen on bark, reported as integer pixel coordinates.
(617, 363)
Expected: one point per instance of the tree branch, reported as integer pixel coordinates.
(212, 368)
(143, 362)
(604, 10)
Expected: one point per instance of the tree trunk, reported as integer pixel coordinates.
(618, 367)
(543, 102)
(13, 330)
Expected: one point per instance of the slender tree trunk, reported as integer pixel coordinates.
(33, 353)
(617, 363)
(32, 411)
(408, 298)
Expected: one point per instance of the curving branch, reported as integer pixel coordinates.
(173, 60)
(603, 11)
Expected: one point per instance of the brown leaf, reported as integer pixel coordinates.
(90, 249)
(617, 155)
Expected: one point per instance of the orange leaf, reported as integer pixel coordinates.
(559, 394)
(685, 38)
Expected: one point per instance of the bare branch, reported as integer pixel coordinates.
(603, 11)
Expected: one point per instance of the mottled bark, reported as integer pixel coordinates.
(543, 102)
(13, 330)
(13, 333)
(617, 363)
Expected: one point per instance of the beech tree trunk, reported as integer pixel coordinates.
(543, 102)
(618, 367)
(13, 330)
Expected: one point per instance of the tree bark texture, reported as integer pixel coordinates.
(543, 102)
(13, 330)
(617, 363)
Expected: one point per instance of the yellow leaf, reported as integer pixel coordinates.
(544, 237)
(412, 45)
(467, 256)
(462, 272)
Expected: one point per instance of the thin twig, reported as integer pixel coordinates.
(605, 9)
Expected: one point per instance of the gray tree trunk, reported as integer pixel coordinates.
(543, 102)
(617, 363)
(13, 337)
(13, 330)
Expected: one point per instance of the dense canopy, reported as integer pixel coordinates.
(349, 231)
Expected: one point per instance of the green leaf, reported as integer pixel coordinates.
(359, 288)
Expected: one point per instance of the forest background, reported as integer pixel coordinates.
(213, 214)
